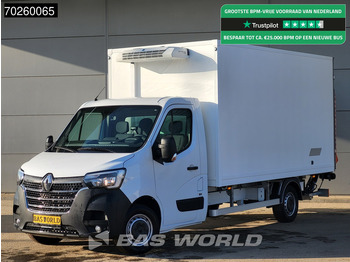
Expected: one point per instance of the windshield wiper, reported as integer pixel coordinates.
(95, 149)
(65, 148)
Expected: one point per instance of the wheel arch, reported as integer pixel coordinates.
(151, 203)
(295, 183)
(280, 187)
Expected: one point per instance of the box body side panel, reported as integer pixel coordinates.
(275, 112)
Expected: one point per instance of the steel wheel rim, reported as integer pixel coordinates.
(289, 204)
(139, 230)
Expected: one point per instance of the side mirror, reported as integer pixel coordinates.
(168, 149)
(49, 142)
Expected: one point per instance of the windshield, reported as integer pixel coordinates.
(119, 129)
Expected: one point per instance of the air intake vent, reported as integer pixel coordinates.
(142, 55)
(58, 200)
(152, 54)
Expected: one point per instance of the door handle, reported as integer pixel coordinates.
(190, 168)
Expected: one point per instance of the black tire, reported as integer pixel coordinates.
(288, 209)
(46, 240)
(141, 220)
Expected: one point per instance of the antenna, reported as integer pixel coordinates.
(96, 98)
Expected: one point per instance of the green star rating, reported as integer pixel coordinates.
(247, 24)
(311, 24)
(320, 24)
(295, 24)
(286, 24)
(303, 24)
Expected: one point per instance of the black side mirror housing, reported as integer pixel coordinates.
(168, 148)
(49, 142)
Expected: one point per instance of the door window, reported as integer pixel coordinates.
(178, 124)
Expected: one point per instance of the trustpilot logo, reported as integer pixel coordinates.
(252, 25)
(246, 24)
(185, 240)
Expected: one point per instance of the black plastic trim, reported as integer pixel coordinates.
(190, 204)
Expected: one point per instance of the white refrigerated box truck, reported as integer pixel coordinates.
(187, 127)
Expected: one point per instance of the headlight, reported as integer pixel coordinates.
(108, 179)
(20, 176)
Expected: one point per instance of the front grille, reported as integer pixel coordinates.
(58, 200)
(62, 230)
(32, 185)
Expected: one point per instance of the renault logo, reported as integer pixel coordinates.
(47, 182)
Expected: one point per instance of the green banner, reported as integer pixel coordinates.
(283, 24)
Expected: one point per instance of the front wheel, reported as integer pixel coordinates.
(287, 211)
(141, 224)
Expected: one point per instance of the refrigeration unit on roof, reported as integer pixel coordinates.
(152, 54)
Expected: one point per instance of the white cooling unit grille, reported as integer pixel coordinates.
(152, 54)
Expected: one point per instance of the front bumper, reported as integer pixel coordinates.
(90, 208)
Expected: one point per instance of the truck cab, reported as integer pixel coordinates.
(118, 167)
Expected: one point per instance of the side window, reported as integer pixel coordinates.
(178, 124)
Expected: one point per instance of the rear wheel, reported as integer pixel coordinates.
(45, 240)
(288, 209)
(141, 224)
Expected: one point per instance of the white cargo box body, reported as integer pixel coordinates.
(268, 113)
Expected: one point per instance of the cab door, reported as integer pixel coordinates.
(179, 184)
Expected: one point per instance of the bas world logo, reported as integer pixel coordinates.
(95, 242)
(207, 240)
(185, 240)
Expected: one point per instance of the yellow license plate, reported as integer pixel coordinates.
(48, 220)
